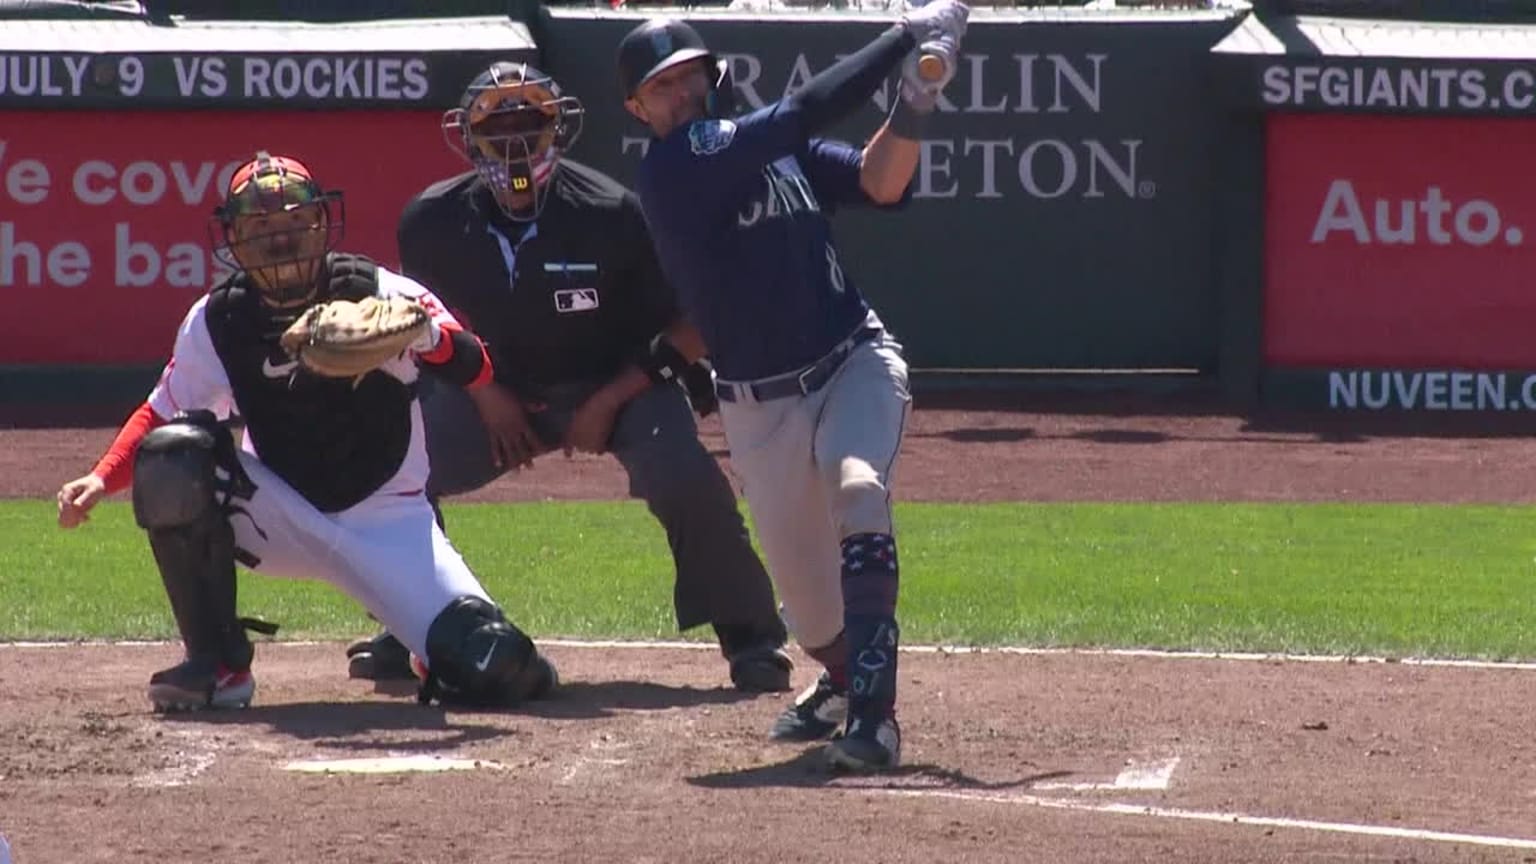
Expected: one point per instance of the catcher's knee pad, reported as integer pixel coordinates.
(175, 501)
(475, 656)
(174, 477)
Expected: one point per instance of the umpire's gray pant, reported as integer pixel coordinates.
(720, 579)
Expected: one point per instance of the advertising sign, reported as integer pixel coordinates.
(104, 215)
(1393, 84)
(1401, 243)
(123, 65)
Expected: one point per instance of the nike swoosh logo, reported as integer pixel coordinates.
(282, 371)
(486, 660)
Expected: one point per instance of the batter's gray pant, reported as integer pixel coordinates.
(720, 580)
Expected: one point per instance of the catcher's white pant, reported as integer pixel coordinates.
(817, 468)
(386, 552)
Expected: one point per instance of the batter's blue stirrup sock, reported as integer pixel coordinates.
(870, 587)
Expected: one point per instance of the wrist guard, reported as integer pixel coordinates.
(661, 362)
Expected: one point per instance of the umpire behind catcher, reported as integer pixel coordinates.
(550, 263)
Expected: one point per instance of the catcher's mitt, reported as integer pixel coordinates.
(346, 339)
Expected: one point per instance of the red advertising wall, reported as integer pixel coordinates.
(103, 215)
(1400, 242)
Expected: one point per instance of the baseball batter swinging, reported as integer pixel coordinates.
(327, 482)
(813, 389)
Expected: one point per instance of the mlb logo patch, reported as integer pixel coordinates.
(576, 300)
(708, 137)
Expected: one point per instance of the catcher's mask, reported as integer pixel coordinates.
(512, 125)
(277, 225)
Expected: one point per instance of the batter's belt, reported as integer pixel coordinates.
(799, 383)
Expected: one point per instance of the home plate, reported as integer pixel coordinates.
(388, 765)
(1137, 775)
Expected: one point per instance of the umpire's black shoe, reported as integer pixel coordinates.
(817, 713)
(763, 668)
(382, 658)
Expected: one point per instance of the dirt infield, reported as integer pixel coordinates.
(646, 756)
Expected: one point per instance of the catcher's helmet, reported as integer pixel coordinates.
(512, 125)
(276, 224)
(660, 44)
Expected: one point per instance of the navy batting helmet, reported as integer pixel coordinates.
(660, 44)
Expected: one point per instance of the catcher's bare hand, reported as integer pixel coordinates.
(77, 497)
(592, 424)
(513, 441)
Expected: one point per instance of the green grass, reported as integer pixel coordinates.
(1439, 581)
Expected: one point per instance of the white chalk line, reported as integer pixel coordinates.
(1224, 818)
(1150, 653)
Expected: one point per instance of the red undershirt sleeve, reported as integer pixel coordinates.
(115, 468)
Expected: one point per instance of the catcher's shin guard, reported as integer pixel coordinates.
(176, 501)
(476, 657)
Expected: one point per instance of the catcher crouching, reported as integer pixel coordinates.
(316, 352)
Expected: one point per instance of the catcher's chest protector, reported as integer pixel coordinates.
(333, 442)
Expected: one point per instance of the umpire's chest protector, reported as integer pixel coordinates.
(333, 442)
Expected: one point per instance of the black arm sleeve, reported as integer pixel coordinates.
(657, 303)
(842, 87)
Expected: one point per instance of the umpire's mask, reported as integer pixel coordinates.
(513, 124)
(277, 226)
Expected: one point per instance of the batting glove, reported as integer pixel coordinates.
(923, 93)
(937, 21)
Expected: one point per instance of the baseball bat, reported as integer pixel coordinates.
(930, 67)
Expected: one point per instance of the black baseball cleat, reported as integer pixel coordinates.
(382, 658)
(818, 712)
(866, 747)
(195, 684)
(761, 669)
